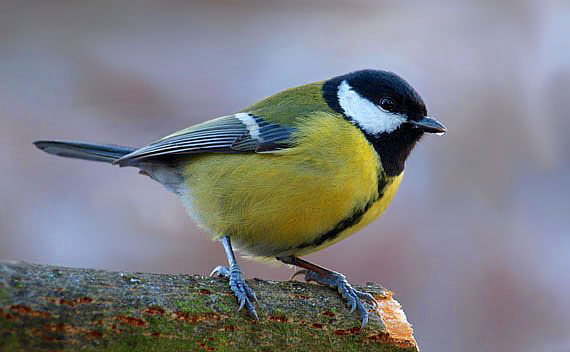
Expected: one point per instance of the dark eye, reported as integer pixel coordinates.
(387, 104)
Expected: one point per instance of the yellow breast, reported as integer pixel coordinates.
(281, 203)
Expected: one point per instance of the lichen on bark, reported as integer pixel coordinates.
(48, 308)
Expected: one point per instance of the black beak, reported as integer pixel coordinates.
(428, 124)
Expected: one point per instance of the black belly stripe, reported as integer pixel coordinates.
(346, 222)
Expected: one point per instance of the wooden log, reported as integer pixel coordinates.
(49, 308)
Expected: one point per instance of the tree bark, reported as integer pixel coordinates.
(49, 308)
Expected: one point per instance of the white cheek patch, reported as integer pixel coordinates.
(366, 114)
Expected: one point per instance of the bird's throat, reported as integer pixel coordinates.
(394, 148)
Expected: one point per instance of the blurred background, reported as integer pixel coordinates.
(476, 244)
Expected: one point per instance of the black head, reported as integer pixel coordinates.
(386, 108)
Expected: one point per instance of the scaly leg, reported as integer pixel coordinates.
(241, 290)
(336, 281)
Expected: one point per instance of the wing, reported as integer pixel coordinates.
(238, 133)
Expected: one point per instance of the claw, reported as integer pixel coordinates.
(239, 287)
(221, 271)
(368, 297)
(364, 322)
(242, 303)
(375, 304)
(250, 293)
(350, 294)
(253, 312)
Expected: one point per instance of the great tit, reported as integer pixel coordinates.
(289, 175)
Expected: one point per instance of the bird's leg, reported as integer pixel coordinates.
(241, 290)
(334, 280)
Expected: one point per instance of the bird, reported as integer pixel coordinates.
(289, 175)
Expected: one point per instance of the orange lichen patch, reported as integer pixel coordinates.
(328, 313)
(20, 308)
(382, 337)
(132, 321)
(194, 318)
(58, 327)
(63, 301)
(43, 333)
(183, 316)
(154, 311)
(25, 310)
(63, 328)
(206, 347)
(39, 314)
(93, 334)
(5, 316)
(280, 318)
(207, 316)
(317, 325)
(398, 330)
(37, 332)
(351, 331)
(299, 296)
(205, 291)
(70, 302)
(83, 300)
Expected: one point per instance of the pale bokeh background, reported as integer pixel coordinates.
(476, 244)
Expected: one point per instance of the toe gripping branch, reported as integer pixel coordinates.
(334, 280)
(239, 286)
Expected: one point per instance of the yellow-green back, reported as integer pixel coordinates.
(288, 106)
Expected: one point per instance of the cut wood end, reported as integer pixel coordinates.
(398, 330)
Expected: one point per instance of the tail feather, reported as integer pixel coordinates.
(87, 151)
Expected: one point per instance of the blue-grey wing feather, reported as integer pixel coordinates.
(240, 133)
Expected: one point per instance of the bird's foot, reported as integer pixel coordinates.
(240, 288)
(350, 294)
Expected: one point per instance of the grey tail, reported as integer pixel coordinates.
(86, 151)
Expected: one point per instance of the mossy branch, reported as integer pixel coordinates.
(48, 308)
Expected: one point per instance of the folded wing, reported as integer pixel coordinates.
(238, 133)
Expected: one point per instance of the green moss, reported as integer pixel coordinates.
(5, 296)
(10, 338)
(195, 304)
(9, 342)
(278, 312)
(160, 324)
(182, 336)
(137, 342)
(208, 303)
